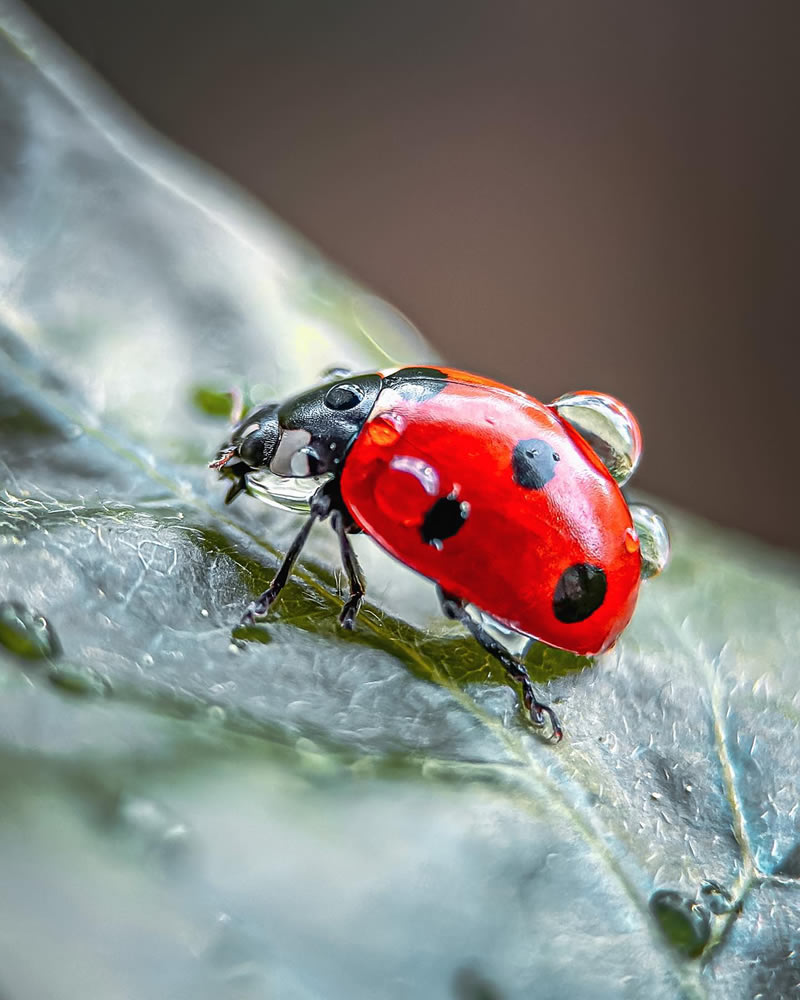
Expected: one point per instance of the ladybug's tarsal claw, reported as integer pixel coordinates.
(452, 607)
(261, 605)
(347, 618)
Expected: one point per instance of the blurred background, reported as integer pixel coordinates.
(561, 195)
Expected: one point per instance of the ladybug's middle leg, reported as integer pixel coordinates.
(454, 607)
(355, 576)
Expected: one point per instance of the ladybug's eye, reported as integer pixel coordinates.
(343, 397)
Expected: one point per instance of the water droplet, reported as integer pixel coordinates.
(608, 426)
(684, 922)
(26, 633)
(286, 493)
(147, 660)
(653, 539)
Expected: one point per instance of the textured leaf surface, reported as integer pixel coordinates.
(298, 812)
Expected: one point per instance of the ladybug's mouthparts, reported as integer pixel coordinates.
(223, 458)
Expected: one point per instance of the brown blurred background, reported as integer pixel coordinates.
(563, 195)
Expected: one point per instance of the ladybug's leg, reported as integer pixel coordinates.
(320, 508)
(355, 576)
(453, 607)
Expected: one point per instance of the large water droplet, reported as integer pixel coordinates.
(653, 539)
(608, 426)
(685, 923)
(292, 494)
(26, 633)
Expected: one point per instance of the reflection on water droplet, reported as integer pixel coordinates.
(147, 660)
(684, 922)
(406, 491)
(292, 494)
(608, 426)
(26, 633)
(216, 714)
(386, 429)
(653, 539)
(631, 540)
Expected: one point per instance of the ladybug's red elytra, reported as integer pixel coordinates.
(506, 503)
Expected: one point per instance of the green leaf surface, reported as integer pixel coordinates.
(192, 810)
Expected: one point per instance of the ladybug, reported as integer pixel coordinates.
(509, 505)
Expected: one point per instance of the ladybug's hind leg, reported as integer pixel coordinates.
(454, 607)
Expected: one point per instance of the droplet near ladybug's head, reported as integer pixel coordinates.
(608, 426)
(653, 539)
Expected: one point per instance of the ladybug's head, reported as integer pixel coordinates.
(308, 435)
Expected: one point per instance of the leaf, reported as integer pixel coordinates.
(293, 811)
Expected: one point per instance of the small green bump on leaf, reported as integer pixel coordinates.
(26, 633)
(82, 681)
(252, 633)
(684, 922)
(213, 402)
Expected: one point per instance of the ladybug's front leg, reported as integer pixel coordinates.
(453, 607)
(320, 508)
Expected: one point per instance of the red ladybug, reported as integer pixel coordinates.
(508, 504)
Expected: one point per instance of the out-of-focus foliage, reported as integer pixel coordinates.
(294, 812)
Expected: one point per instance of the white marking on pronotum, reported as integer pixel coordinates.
(291, 443)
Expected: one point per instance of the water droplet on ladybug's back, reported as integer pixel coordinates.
(608, 426)
(653, 539)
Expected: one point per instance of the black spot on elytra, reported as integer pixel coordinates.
(579, 593)
(443, 520)
(416, 384)
(533, 463)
